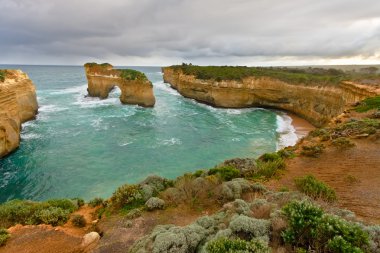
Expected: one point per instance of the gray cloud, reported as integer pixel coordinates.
(201, 31)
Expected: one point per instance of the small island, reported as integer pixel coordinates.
(134, 85)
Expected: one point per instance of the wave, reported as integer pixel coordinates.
(82, 89)
(165, 87)
(286, 131)
(51, 108)
(170, 142)
(28, 136)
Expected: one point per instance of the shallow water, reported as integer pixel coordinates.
(81, 146)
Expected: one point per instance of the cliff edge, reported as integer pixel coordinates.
(135, 87)
(18, 104)
(316, 97)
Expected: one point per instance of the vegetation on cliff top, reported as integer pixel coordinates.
(130, 74)
(369, 104)
(317, 76)
(2, 75)
(106, 68)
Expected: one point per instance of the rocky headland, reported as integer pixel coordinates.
(134, 85)
(18, 104)
(317, 96)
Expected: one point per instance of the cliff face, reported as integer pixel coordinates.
(314, 103)
(102, 79)
(18, 104)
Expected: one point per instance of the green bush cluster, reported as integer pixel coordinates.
(94, 64)
(226, 173)
(78, 220)
(54, 212)
(315, 188)
(293, 75)
(357, 127)
(127, 196)
(96, 202)
(313, 150)
(4, 236)
(343, 143)
(268, 165)
(2, 75)
(369, 104)
(224, 245)
(130, 74)
(310, 228)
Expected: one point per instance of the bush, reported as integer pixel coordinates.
(126, 195)
(315, 188)
(130, 74)
(369, 104)
(2, 75)
(78, 220)
(322, 133)
(312, 150)
(155, 203)
(343, 143)
(268, 168)
(28, 212)
(310, 228)
(248, 227)
(79, 202)
(4, 236)
(95, 202)
(358, 127)
(54, 216)
(226, 173)
(224, 245)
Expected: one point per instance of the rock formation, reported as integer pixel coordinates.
(317, 104)
(18, 104)
(135, 87)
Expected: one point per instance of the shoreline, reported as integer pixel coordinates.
(302, 126)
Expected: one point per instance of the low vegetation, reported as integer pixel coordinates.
(223, 245)
(305, 76)
(2, 75)
(54, 212)
(96, 202)
(343, 143)
(225, 173)
(310, 229)
(313, 150)
(369, 104)
(78, 220)
(130, 74)
(4, 236)
(315, 189)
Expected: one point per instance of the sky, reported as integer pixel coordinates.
(203, 32)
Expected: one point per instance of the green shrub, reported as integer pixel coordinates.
(2, 75)
(130, 74)
(322, 133)
(270, 168)
(286, 153)
(369, 104)
(224, 245)
(4, 236)
(343, 143)
(310, 228)
(78, 220)
(357, 127)
(226, 173)
(54, 216)
(312, 150)
(95, 202)
(78, 201)
(28, 212)
(315, 188)
(198, 173)
(270, 157)
(126, 195)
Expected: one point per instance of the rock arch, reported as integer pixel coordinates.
(135, 87)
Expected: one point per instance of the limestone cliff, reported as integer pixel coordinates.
(18, 104)
(135, 87)
(317, 104)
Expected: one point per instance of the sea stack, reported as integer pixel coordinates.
(134, 85)
(18, 104)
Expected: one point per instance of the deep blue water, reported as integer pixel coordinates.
(87, 147)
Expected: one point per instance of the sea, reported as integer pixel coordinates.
(80, 146)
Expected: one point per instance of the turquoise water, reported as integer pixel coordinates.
(81, 146)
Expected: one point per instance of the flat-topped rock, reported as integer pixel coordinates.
(134, 85)
(18, 104)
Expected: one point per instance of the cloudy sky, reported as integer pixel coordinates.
(162, 32)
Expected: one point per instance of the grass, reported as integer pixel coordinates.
(314, 150)
(2, 75)
(269, 165)
(343, 143)
(78, 220)
(226, 173)
(4, 236)
(369, 104)
(315, 189)
(305, 76)
(130, 74)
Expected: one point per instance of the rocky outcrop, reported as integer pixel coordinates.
(18, 104)
(135, 87)
(317, 104)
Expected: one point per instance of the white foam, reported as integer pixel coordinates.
(286, 131)
(51, 108)
(125, 144)
(165, 87)
(82, 89)
(170, 142)
(30, 136)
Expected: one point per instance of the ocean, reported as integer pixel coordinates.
(85, 147)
